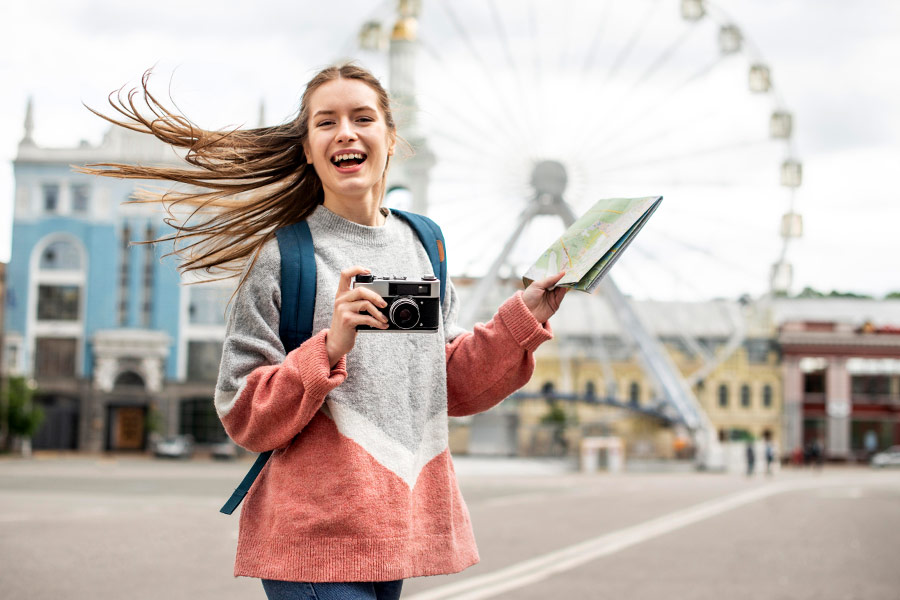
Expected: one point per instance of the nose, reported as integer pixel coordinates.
(346, 132)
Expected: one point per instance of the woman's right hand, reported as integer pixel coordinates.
(352, 307)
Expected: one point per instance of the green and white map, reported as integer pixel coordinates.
(588, 249)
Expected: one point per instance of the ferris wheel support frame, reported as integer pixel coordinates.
(657, 362)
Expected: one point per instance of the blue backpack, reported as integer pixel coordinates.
(298, 300)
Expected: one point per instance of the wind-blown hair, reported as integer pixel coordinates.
(242, 184)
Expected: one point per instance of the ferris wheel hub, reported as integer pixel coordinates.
(549, 178)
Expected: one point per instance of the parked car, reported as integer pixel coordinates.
(177, 446)
(888, 458)
(226, 450)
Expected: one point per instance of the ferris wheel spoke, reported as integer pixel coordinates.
(514, 69)
(695, 183)
(708, 253)
(662, 100)
(475, 164)
(653, 137)
(667, 53)
(718, 220)
(471, 139)
(507, 109)
(626, 50)
(495, 121)
(664, 56)
(683, 155)
(594, 48)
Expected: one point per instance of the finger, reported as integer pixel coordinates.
(364, 293)
(365, 319)
(347, 275)
(549, 282)
(364, 306)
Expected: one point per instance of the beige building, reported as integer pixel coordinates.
(837, 357)
(589, 381)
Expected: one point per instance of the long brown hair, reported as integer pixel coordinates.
(250, 182)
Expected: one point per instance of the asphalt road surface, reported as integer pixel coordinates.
(99, 528)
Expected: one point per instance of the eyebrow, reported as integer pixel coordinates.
(354, 110)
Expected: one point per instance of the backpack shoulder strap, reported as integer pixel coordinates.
(298, 284)
(432, 239)
(298, 304)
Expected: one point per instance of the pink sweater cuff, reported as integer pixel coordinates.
(524, 328)
(311, 360)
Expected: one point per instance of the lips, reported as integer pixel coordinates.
(348, 160)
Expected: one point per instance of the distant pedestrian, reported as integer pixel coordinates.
(751, 458)
(870, 443)
(817, 453)
(770, 456)
(769, 450)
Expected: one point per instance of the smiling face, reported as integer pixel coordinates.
(349, 143)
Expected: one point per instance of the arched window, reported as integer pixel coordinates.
(745, 396)
(634, 393)
(129, 379)
(590, 391)
(548, 388)
(60, 255)
(723, 395)
(767, 396)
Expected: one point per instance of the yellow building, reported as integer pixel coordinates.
(589, 381)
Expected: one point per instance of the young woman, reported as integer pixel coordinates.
(360, 491)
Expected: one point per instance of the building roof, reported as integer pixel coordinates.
(591, 315)
(119, 145)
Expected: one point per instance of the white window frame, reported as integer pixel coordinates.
(56, 329)
(192, 332)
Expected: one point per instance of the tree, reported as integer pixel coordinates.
(22, 418)
(809, 292)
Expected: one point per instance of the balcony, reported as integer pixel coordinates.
(884, 399)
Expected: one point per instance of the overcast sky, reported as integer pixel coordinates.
(834, 64)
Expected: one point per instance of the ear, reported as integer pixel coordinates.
(306, 152)
(391, 143)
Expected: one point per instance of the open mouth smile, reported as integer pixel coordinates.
(348, 161)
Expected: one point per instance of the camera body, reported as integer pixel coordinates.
(413, 305)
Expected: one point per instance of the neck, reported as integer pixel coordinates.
(364, 210)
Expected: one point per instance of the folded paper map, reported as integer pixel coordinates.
(588, 248)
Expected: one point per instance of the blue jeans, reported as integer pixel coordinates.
(294, 590)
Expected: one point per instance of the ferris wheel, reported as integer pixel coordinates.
(524, 114)
(622, 98)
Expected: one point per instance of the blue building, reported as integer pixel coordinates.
(119, 347)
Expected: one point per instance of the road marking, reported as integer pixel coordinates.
(544, 566)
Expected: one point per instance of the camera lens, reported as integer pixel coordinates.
(404, 313)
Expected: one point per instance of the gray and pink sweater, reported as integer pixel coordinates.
(360, 486)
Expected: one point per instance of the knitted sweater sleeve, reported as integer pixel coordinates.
(494, 360)
(264, 397)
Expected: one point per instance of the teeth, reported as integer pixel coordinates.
(341, 157)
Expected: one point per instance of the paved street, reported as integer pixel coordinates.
(99, 528)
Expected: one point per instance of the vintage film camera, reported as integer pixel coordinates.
(413, 305)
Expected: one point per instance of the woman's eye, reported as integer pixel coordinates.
(324, 123)
(366, 119)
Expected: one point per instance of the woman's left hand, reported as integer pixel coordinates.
(542, 301)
